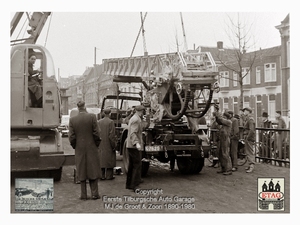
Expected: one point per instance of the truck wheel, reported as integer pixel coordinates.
(145, 168)
(189, 165)
(56, 174)
(125, 157)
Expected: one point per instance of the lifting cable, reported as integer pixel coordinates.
(48, 29)
(138, 35)
(143, 33)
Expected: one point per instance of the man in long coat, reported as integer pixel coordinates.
(224, 157)
(84, 137)
(107, 146)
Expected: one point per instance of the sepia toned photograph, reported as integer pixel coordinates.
(150, 112)
(34, 194)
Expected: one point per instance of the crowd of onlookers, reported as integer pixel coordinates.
(231, 132)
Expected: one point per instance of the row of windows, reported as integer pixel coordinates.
(269, 71)
(258, 106)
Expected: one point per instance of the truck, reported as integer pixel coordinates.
(36, 144)
(177, 92)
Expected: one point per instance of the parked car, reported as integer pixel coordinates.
(64, 130)
(64, 126)
(39, 193)
(22, 191)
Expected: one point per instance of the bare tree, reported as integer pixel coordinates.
(236, 59)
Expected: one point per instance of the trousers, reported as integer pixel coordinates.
(233, 152)
(224, 156)
(93, 187)
(134, 173)
(250, 152)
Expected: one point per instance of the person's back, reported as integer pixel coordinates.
(84, 137)
(83, 125)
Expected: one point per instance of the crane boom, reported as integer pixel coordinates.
(36, 23)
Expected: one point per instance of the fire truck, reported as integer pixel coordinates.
(36, 144)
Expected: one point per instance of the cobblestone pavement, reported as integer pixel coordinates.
(206, 192)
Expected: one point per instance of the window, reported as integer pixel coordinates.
(224, 79)
(246, 79)
(225, 103)
(258, 75)
(235, 78)
(271, 107)
(270, 72)
(246, 101)
(258, 108)
(235, 105)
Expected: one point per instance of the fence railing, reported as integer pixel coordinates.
(271, 145)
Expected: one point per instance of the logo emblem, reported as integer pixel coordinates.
(270, 194)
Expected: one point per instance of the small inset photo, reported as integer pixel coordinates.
(34, 194)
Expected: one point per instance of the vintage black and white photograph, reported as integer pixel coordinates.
(150, 112)
(34, 194)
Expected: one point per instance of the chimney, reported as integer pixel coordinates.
(220, 45)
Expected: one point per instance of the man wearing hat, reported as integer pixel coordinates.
(249, 138)
(265, 135)
(134, 146)
(234, 140)
(84, 137)
(280, 136)
(107, 146)
(224, 157)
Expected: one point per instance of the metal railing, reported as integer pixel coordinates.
(271, 145)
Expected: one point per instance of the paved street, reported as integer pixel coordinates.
(170, 192)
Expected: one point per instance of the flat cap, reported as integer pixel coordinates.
(237, 116)
(248, 109)
(230, 112)
(139, 108)
(265, 114)
(226, 114)
(278, 111)
(107, 111)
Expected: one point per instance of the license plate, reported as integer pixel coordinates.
(153, 148)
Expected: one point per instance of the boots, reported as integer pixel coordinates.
(251, 168)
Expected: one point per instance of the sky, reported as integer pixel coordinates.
(71, 37)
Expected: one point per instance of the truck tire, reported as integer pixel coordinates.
(190, 165)
(56, 174)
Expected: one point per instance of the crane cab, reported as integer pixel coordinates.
(23, 113)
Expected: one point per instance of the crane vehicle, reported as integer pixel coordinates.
(36, 144)
(177, 86)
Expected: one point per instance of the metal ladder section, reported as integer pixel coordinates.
(189, 67)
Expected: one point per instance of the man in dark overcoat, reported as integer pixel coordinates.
(234, 140)
(84, 137)
(107, 146)
(224, 157)
(265, 136)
